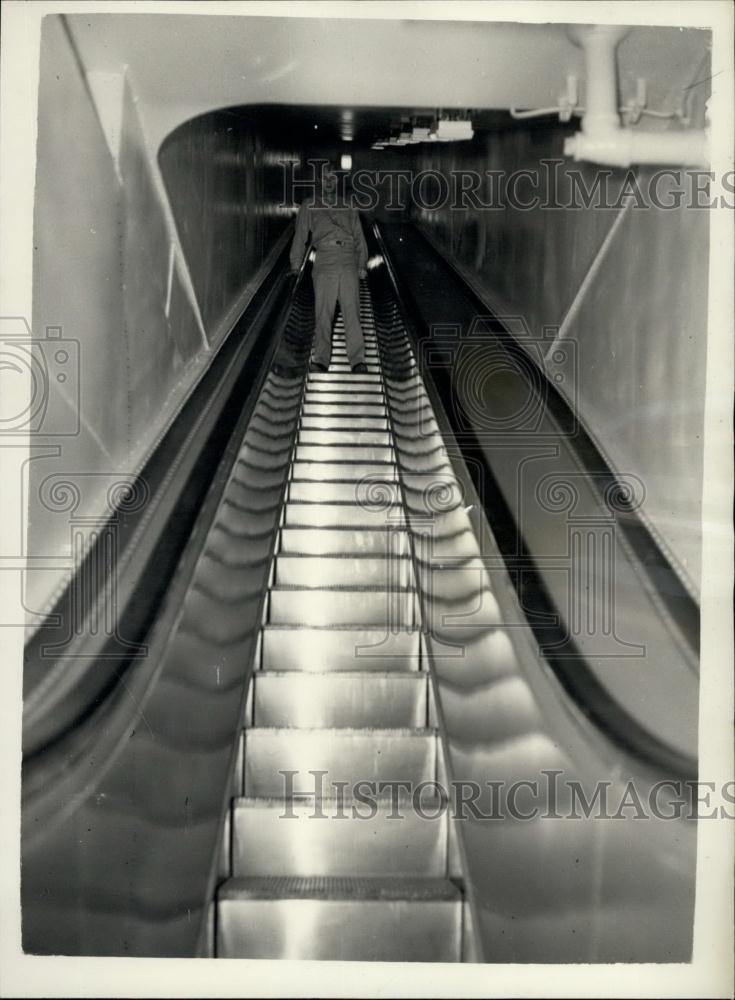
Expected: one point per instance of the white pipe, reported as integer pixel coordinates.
(624, 147)
(601, 82)
(602, 139)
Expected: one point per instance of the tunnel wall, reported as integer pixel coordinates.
(639, 323)
(225, 187)
(104, 274)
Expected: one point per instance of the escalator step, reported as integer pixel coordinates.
(354, 452)
(333, 837)
(340, 472)
(344, 437)
(342, 607)
(323, 397)
(376, 490)
(336, 422)
(344, 541)
(344, 367)
(343, 515)
(340, 571)
(344, 755)
(345, 412)
(338, 380)
(332, 700)
(349, 919)
(316, 650)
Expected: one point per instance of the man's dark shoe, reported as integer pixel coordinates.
(317, 369)
(360, 368)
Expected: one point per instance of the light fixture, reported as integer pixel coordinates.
(419, 134)
(453, 131)
(345, 162)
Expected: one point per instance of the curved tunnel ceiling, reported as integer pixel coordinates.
(182, 66)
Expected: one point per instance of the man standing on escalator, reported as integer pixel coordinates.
(339, 264)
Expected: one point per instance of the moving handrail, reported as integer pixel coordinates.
(61, 688)
(113, 793)
(569, 665)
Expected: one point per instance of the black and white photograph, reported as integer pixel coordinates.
(366, 415)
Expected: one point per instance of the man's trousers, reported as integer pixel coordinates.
(333, 282)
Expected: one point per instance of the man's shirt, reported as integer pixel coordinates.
(336, 235)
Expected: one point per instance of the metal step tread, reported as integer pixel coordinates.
(340, 514)
(356, 437)
(351, 588)
(398, 529)
(346, 733)
(308, 803)
(363, 630)
(321, 887)
(343, 605)
(343, 472)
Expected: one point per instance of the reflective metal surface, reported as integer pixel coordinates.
(339, 709)
(322, 649)
(325, 700)
(395, 920)
(271, 838)
(565, 889)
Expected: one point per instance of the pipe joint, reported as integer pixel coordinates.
(623, 147)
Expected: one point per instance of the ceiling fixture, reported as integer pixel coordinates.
(453, 130)
(446, 126)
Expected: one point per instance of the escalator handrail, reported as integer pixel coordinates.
(682, 607)
(594, 701)
(72, 685)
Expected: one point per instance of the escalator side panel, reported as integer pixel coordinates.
(625, 633)
(126, 866)
(544, 889)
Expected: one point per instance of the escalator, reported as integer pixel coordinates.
(337, 644)
(340, 697)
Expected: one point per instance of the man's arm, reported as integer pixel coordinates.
(360, 244)
(300, 237)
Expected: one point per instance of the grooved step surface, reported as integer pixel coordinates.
(339, 920)
(321, 887)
